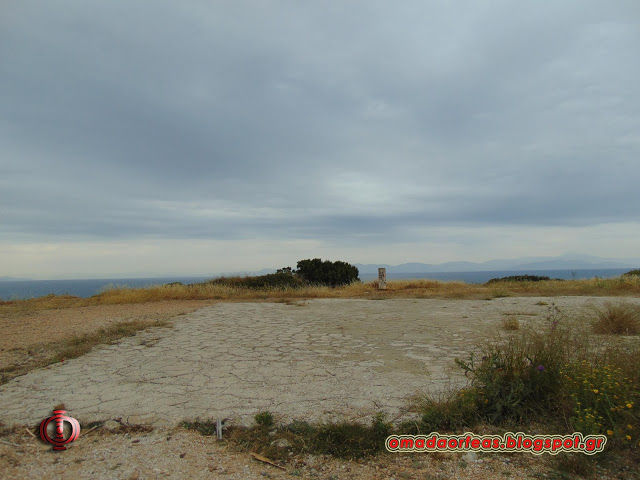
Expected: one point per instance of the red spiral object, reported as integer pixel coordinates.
(59, 417)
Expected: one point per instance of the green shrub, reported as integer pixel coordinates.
(351, 440)
(205, 427)
(518, 278)
(344, 439)
(519, 378)
(453, 412)
(264, 419)
(272, 280)
(603, 401)
(327, 273)
(631, 273)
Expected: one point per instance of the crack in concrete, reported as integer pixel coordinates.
(342, 356)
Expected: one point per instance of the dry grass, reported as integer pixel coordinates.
(617, 319)
(77, 346)
(511, 324)
(623, 286)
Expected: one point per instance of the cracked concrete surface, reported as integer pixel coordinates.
(314, 359)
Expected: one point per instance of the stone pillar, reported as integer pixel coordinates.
(382, 278)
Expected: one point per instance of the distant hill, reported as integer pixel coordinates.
(564, 262)
(12, 279)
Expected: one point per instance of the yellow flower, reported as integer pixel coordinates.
(595, 390)
(630, 427)
(609, 432)
(628, 437)
(629, 405)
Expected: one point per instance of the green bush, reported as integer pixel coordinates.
(205, 427)
(519, 379)
(271, 280)
(314, 272)
(519, 278)
(631, 273)
(327, 273)
(603, 401)
(351, 440)
(455, 412)
(344, 439)
(264, 418)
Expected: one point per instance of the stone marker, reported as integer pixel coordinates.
(382, 278)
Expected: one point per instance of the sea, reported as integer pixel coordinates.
(23, 289)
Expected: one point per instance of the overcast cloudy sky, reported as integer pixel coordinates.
(194, 137)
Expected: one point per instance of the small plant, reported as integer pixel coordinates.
(500, 294)
(453, 411)
(519, 378)
(603, 402)
(344, 439)
(617, 319)
(264, 418)
(351, 440)
(511, 324)
(207, 428)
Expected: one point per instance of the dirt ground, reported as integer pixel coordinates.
(316, 360)
(24, 331)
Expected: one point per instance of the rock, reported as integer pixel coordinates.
(281, 443)
(470, 457)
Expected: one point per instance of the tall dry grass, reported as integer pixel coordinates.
(614, 287)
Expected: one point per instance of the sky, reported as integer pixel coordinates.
(161, 137)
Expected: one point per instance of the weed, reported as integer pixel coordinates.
(450, 411)
(207, 428)
(351, 440)
(79, 345)
(519, 378)
(343, 439)
(264, 419)
(126, 427)
(617, 319)
(570, 464)
(501, 294)
(604, 402)
(511, 324)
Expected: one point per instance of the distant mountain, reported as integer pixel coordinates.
(264, 271)
(568, 265)
(563, 262)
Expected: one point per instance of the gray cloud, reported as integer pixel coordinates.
(283, 119)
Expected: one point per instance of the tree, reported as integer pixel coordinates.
(327, 272)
